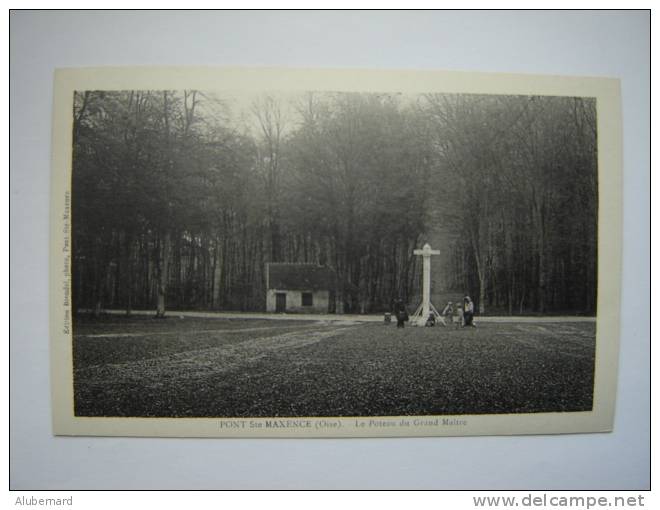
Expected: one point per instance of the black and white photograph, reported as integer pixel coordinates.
(404, 259)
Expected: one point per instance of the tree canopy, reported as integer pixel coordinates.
(180, 198)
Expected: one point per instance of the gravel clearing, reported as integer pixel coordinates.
(240, 368)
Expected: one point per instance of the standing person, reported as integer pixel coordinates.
(468, 312)
(401, 314)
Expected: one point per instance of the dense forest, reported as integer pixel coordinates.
(181, 197)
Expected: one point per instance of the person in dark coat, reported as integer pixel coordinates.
(401, 314)
(468, 312)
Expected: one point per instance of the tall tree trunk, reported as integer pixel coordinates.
(128, 272)
(217, 275)
(163, 276)
(542, 269)
(481, 270)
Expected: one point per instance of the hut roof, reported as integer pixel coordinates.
(300, 277)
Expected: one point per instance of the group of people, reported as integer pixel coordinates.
(459, 315)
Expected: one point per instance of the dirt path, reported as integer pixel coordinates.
(180, 332)
(203, 362)
(346, 318)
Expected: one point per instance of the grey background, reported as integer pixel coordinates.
(614, 44)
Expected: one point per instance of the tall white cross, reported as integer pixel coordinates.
(425, 308)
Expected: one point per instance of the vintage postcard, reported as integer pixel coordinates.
(334, 253)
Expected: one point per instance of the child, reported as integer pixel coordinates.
(458, 316)
(448, 313)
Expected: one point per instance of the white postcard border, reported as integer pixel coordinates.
(605, 90)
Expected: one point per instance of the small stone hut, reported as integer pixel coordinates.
(300, 288)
